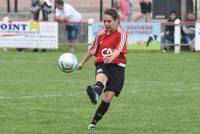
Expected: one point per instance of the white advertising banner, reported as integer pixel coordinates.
(29, 35)
(197, 37)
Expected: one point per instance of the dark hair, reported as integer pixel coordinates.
(173, 12)
(190, 11)
(60, 2)
(113, 13)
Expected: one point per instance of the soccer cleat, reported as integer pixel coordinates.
(92, 95)
(91, 127)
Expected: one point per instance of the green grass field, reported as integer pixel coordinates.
(161, 95)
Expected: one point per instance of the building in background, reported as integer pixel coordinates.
(161, 8)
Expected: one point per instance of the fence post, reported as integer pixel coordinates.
(177, 36)
(112, 3)
(90, 21)
(101, 10)
(8, 6)
(16, 5)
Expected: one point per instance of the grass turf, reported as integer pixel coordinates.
(160, 95)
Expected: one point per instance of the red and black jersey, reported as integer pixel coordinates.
(106, 44)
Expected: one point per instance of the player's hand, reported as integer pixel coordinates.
(107, 60)
(79, 66)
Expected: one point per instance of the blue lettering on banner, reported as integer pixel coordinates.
(15, 27)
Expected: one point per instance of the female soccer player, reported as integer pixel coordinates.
(109, 48)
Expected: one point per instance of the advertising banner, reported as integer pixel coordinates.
(138, 34)
(197, 37)
(29, 35)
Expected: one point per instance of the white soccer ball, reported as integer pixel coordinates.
(67, 62)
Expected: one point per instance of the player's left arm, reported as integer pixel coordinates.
(120, 49)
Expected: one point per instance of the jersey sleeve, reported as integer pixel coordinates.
(94, 48)
(121, 45)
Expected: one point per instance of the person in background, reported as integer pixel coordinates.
(146, 9)
(65, 13)
(168, 35)
(169, 30)
(117, 7)
(122, 7)
(43, 6)
(130, 11)
(188, 30)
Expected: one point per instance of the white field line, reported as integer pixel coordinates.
(39, 96)
(29, 97)
(163, 90)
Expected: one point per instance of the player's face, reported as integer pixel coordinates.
(109, 23)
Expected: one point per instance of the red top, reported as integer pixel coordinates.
(106, 44)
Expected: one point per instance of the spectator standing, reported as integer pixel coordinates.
(117, 7)
(123, 9)
(65, 13)
(124, 6)
(146, 9)
(45, 7)
(41, 5)
(130, 11)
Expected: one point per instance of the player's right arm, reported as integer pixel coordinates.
(84, 60)
(92, 49)
(87, 56)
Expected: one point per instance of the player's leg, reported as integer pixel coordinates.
(102, 109)
(114, 86)
(96, 90)
(101, 78)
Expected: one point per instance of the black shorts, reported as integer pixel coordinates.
(115, 74)
(145, 7)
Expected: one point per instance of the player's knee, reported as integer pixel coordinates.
(108, 98)
(102, 78)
